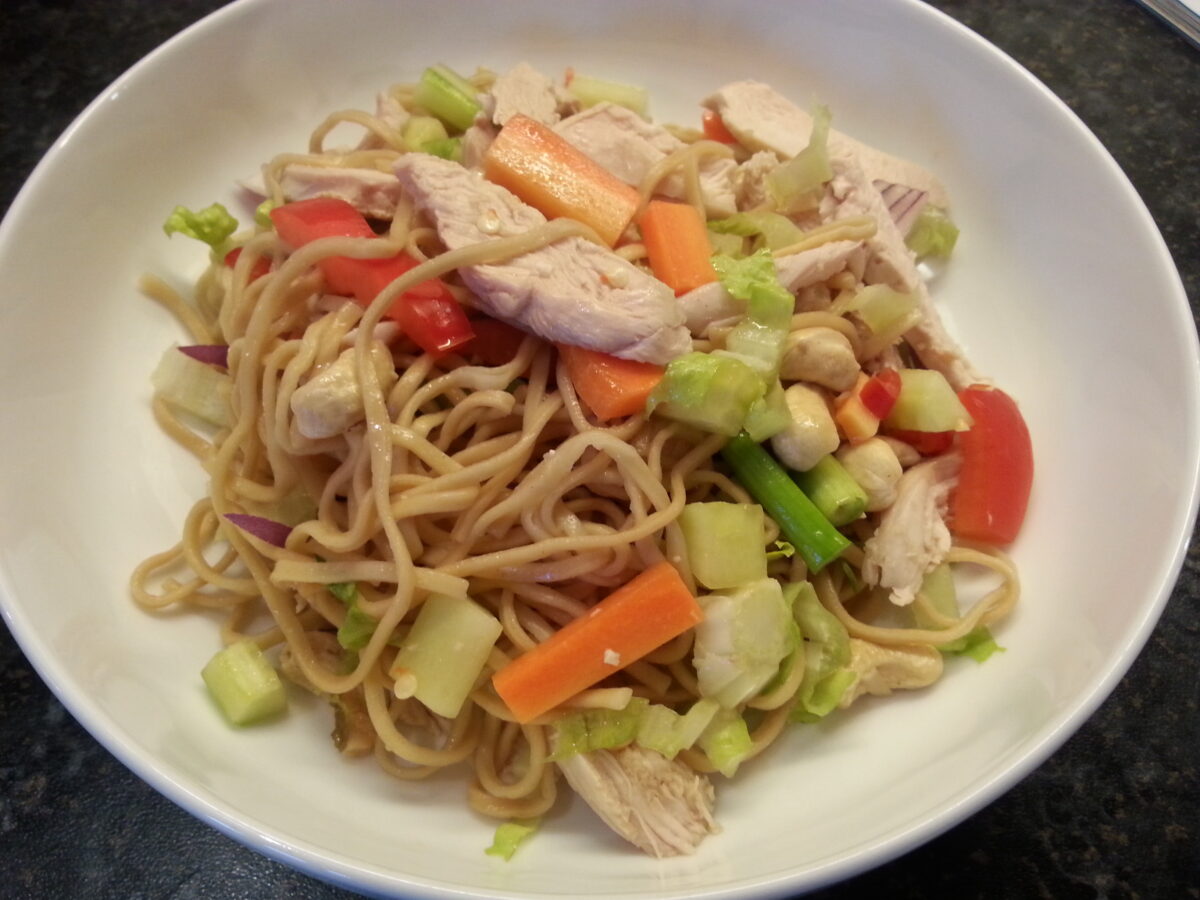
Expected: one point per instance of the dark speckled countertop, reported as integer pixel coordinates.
(1114, 814)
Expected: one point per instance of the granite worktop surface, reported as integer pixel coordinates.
(1115, 813)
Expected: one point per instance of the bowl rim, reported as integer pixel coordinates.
(333, 868)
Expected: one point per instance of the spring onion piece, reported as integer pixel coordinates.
(245, 686)
(742, 641)
(796, 185)
(590, 91)
(266, 530)
(442, 656)
(826, 654)
(667, 732)
(932, 234)
(810, 532)
(447, 95)
(835, 493)
(212, 354)
(597, 729)
(927, 403)
(724, 543)
(193, 386)
(213, 225)
(510, 836)
(710, 392)
(726, 742)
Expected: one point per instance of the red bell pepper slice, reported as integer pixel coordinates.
(261, 266)
(880, 392)
(427, 312)
(496, 343)
(927, 443)
(714, 128)
(990, 501)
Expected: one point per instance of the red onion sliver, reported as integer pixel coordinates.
(213, 354)
(904, 203)
(264, 529)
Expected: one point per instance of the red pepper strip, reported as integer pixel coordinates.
(261, 266)
(427, 312)
(714, 128)
(496, 343)
(880, 392)
(927, 443)
(997, 469)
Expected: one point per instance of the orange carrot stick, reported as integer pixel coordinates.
(611, 387)
(637, 618)
(676, 241)
(551, 175)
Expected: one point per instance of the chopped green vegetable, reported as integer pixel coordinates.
(262, 213)
(510, 835)
(741, 641)
(586, 730)
(886, 312)
(590, 91)
(731, 245)
(707, 391)
(938, 587)
(759, 337)
(724, 543)
(193, 386)
(346, 591)
(447, 95)
(813, 535)
(826, 654)
(213, 225)
(933, 234)
(836, 494)
(447, 148)
(927, 403)
(445, 651)
(420, 130)
(245, 686)
(770, 230)
(796, 185)
(667, 732)
(357, 628)
(783, 550)
(726, 742)
(769, 414)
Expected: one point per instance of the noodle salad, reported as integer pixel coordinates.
(569, 449)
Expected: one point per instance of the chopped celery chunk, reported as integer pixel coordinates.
(888, 313)
(833, 490)
(725, 543)
(420, 130)
(927, 403)
(445, 651)
(933, 234)
(510, 836)
(245, 686)
(192, 386)
(939, 589)
(447, 95)
(447, 148)
(726, 742)
(597, 729)
(707, 391)
(590, 91)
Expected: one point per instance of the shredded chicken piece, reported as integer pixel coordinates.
(912, 537)
(881, 670)
(525, 91)
(657, 804)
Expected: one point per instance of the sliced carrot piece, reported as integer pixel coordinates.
(610, 386)
(676, 240)
(554, 177)
(637, 618)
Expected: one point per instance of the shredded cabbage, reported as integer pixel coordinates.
(796, 185)
(742, 640)
(826, 655)
(933, 234)
(597, 729)
(726, 742)
(510, 835)
(212, 225)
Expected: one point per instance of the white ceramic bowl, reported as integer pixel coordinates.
(1061, 288)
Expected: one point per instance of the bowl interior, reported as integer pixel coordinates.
(1056, 249)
